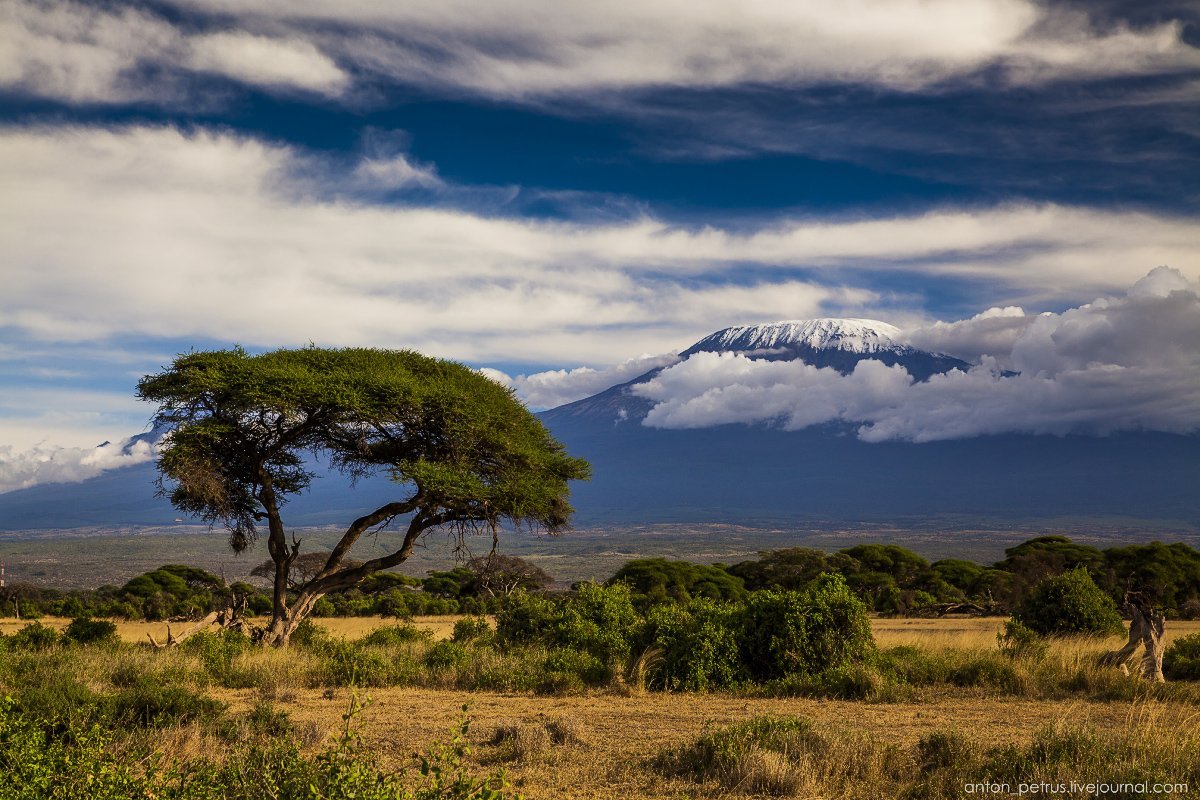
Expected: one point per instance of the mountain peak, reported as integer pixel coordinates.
(824, 333)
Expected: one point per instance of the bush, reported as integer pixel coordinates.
(825, 627)
(697, 646)
(1070, 603)
(217, 651)
(446, 655)
(1181, 662)
(469, 629)
(1018, 641)
(85, 630)
(571, 668)
(391, 635)
(526, 618)
(34, 636)
(148, 703)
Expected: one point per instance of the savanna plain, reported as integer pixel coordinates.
(938, 706)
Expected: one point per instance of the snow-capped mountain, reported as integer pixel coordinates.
(826, 333)
(825, 342)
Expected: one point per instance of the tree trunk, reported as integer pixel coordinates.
(279, 633)
(1146, 627)
(1153, 657)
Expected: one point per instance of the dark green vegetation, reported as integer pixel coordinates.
(53, 756)
(465, 453)
(791, 756)
(1067, 604)
(888, 578)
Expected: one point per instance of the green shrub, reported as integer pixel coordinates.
(822, 628)
(469, 629)
(600, 620)
(390, 635)
(697, 645)
(85, 630)
(217, 651)
(446, 655)
(34, 636)
(1018, 641)
(585, 666)
(149, 703)
(1181, 662)
(1070, 603)
(526, 618)
(309, 635)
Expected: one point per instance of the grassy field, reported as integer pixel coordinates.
(610, 742)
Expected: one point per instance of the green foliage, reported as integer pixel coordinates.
(526, 618)
(218, 651)
(600, 620)
(149, 702)
(1018, 641)
(1070, 603)
(789, 569)
(1181, 661)
(34, 636)
(697, 645)
(659, 580)
(822, 628)
(85, 630)
(474, 450)
(1167, 575)
(388, 635)
(446, 655)
(40, 763)
(471, 629)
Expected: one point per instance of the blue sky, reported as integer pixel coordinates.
(533, 186)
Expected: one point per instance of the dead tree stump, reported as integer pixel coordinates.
(1146, 626)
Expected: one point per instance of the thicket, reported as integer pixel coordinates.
(888, 578)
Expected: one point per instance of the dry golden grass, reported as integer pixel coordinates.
(979, 633)
(349, 627)
(967, 633)
(615, 736)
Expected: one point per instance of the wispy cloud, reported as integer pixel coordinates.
(213, 235)
(534, 49)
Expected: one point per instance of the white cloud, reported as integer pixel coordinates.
(557, 386)
(153, 232)
(266, 61)
(20, 469)
(537, 49)
(530, 48)
(396, 172)
(1119, 363)
(86, 54)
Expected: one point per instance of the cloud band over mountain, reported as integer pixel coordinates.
(1117, 364)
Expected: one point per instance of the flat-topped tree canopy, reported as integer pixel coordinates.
(461, 448)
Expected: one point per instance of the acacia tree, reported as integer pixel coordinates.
(465, 454)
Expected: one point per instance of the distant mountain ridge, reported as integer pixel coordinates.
(756, 474)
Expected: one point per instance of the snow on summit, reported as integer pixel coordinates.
(826, 333)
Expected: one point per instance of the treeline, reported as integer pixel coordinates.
(178, 591)
(889, 579)
(893, 580)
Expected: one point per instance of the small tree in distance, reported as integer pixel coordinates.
(466, 455)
